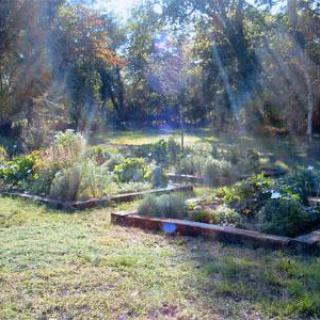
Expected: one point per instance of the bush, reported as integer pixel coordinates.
(158, 178)
(131, 169)
(173, 150)
(257, 187)
(203, 149)
(3, 153)
(160, 151)
(226, 215)
(98, 154)
(247, 196)
(66, 184)
(114, 160)
(214, 169)
(18, 172)
(166, 206)
(233, 154)
(221, 215)
(304, 182)
(95, 181)
(249, 162)
(69, 139)
(67, 147)
(286, 216)
(192, 165)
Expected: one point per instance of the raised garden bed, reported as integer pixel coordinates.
(98, 202)
(215, 232)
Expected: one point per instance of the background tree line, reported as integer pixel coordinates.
(223, 64)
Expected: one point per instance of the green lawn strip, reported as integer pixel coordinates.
(59, 265)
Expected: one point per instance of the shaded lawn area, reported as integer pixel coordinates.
(289, 150)
(139, 137)
(77, 266)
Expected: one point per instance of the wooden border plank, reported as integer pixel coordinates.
(190, 228)
(91, 203)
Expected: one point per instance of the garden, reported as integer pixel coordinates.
(159, 160)
(232, 185)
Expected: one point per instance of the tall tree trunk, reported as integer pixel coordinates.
(293, 20)
(310, 106)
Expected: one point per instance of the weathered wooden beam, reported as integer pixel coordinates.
(87, 204)
(190, 228)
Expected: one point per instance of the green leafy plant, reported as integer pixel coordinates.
(132, 169)
(3, 153)
(302, 181)
(160, 151)
(288, 217)
(18, 173)
(220, 215)
(158, 178)
(215, 169)
(98, 154)
(166, 206)
(174, 150)
(191, 164)
(114, 160)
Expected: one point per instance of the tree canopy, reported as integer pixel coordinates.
(223, 64)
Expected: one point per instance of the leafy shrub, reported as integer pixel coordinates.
(160, 151)
(226, 215)
(66, 151)
(3, 153)
(98, 154)
(166, 206)
(69, 139)
(131, 169)
(221, 215)
(192, 165)
(66, 184)
(158, 178)
(173, 150)
(215, 169)
(233, 154)
(205, 217)
(249, 162)
(303, 181)
(95, 181)
(288, 217)
(248, 195)
(203, 149)
(114, 160)
(11, 145)
(215, 152)
(18, 172)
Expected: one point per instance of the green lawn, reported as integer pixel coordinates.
(56, 265)
(288, 151)
(138, 137)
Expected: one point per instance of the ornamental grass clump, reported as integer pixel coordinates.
(165, 206)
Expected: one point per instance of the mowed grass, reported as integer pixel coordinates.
(139, 137)
(287, 151)
(55, 265)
